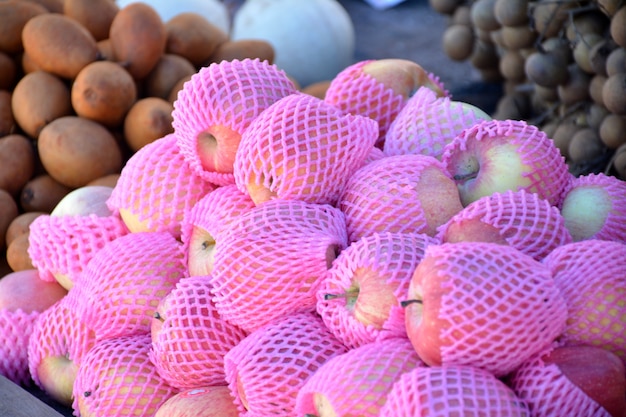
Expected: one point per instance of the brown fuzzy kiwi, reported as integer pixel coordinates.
(138, 37)
(20, 225)
(8, 211)
(595, 88)
(483, 15)
(582, 50)
(511, 12)
(576, 89)
(42, 193)
(28, 65)
(103, 91)
(546, 69)
(39, 98)
(8, 71)
(148, 120)
(612, 131)
(59, 44)
(165, 74)
(191, 36)
(75, 151)
(445, 6)
(14, 14)
(17, 162)
(317, 89)
(614, 93)
(586, 146)
(107, 180)
(105, 50)
(512, 65)
(458, 42)
(616, 61)
(590, 21)
(598, 55)
(244, 48)
(17, 253)
(53, 6)
(462, 16)
(618, 26)
(518, 37)
(95, 15)
(7, 121)
(176, 88)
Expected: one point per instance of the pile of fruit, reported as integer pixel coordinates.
(373, 252)
(563, 66)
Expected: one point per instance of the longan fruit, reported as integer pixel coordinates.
(613, 131)
(576, 89)
(548, 16)
(614, 93)
(518, 37)
(458, 42)
(619, 164)
(546, 69)
(616, 61)
(582, 50)
(484, 56)
(149, 119)
(618, 27)
(462, 16)
(598, 55)
(193, 37)
(176, 88)
(585, 146)
(107, 180)
(511, 12)
(483, 15)
(592, 21)
(562, 136)
(42, 193)
(512, 65)
(595, 88)
(445, 6)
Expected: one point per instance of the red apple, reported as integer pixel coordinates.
(210, 401)
(25, 290)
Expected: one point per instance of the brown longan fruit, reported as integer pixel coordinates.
(595, 88)
(7, 121)
(511, 12)
(8, 211)
(243, 48)
(609, 7)
(613, 131)
(458, 42)
(193, 37)
(619, 162)
(614, 93)
(14, 14)
(462, 16)
(512, 65)
(518, 37)
(17, 162)
(591, 21)
(547, 69)
(483, 15)
(576, 89)
(95, 15)
(585, 146)
(20, 225)
(598, 55)
(616, 61)
(562, 136)
(484, 56)
(165, 74)
(549, 16)
(595, 115)
(42, 193)
(445, 6)
(512, 106)
(148, 120)
(582, 50)
(618, 27)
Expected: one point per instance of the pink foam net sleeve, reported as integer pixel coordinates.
(358, 381)
(158, 186)
(386, 258)
(228, 94)
(190, 338)
(548, 175)
(266, 370)
(443, 391)
(122, 285)
(64, 244)
(525, 220)
(272, 259)
(303, 148)
(16, 328)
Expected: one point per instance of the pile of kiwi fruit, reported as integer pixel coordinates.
(83, 85)
(563, 68)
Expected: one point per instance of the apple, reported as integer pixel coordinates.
(189, 338)
(594, 207)
(359, 300)
(25, 290)
(482, 304)
(210, 401)
(83, 201)
(517, 218)
(268, 367)
(401, 193)
(287, 152)
(217, 105)
(500, 155)
(451, 390)
(357, 382)
(573, 381)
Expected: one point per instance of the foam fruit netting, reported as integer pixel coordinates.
(272, 259)
(120, 288)
(427, 123)
(65, 244)
(117, 379)
(526, 221)
(451, 391)
(17, 326)
(290, 146)
(229, 94)
(550, 175)
(590, 275)
(498, 306)
(190, 338)
(391, 256)
(357, 382)
(267, 369)
(158, 187)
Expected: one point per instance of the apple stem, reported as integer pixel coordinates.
(344, 295)
(407, 302)
(158, 316)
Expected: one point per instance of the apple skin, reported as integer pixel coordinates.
(212, 401)
(25, 290)
(200, 252)
(217, 146)
(57, 375)
(402, 76)
(83, 201)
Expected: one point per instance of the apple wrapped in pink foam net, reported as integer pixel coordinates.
(302, 148)
(590, 275)
(523, 219)
(443, 391)
(117, 379)
(224, 98)
(266, 370)
(122, 285)
(156, 188)
(548, 174)
(64, 244)
(190, 338)
(272, 259)
(16, 328)
(359, 300)
(427, 123)
(357, 382)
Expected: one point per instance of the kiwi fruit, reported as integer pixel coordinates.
(42, 193)
(244, 48)
(612, 130)
(614, 93)
(192, 36)
(75, 150)
(17, 253)
(546, 69)
(170, 68)
(511, 12)
(14, 14)
(585, 146)
(148, 120)
(103, 91)
(20, 225)
(39, 98)
(8, 211)
(53, 6)
(458, 42)
(95, 15)
(8, 71)
(28, 65)
(618, 26)
(138, 38)
(59, 44)
(105, 50)
(7, 121)
(17, 162)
